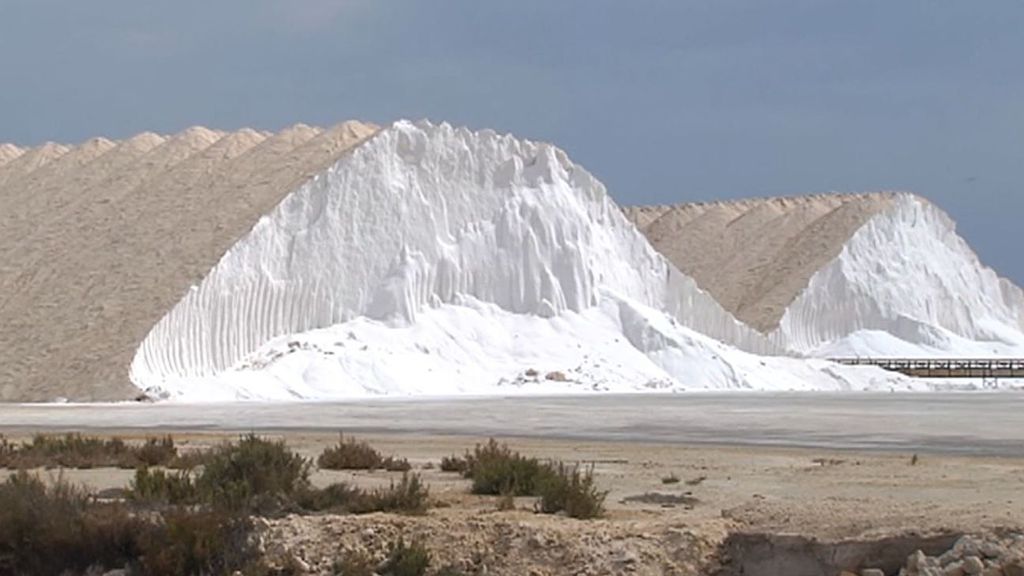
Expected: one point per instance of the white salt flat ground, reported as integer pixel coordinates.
(954, 423)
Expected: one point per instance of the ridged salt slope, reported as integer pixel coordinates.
(907, 273)
(756, 256)
(417, 217)
(99, 241)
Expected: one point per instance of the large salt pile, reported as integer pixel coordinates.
(98, 241)
(878, 275)
(432, 260)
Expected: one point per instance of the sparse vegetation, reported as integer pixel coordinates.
(161, 487)
(45, 530)
(497, 470)
(353, 454)
(253, 475)
(454, 463)
(58, 529)
(408, 496)
(506, 503)
(567, 489)
(77, 451)
(262, 476)
(406, 560)
(198, 542)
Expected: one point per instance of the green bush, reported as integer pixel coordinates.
(48, 530)
(566, 489)
(58, 529)
(254, 475)
(353, 454)
(495, 470)
(198, 542)
(160, 487)
(409, 496)
(156, 451)
(454, 463)
(406, 560)
(338, 497)
(83, 452)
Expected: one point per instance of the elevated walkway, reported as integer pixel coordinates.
(984, 368)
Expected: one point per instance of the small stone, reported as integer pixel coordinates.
(1014, 568)
(301, 565)
(991, 550)
(973, 565)
(948, 557)
(917, 560)
(955, 569)
(965, 546)
(993, 571)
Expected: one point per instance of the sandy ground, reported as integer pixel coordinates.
(825, 494)
(756, 256)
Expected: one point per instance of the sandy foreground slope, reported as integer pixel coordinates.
(98, 241)
(651, 527)
(756, 256)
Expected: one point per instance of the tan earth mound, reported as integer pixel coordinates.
(98, 241)
(756, 256)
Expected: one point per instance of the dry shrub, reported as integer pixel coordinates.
(564, 488)
(353, 454)
(48, 530)
(495, 470)
(406, 560)
(408, 496)
(454, 463)
(199, 542)
(83, 452)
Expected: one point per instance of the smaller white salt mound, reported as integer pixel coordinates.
(906, 284)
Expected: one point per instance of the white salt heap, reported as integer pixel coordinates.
(905, 284)
(434, 261)
(842, 275)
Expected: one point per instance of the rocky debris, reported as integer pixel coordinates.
(507, 543)
(990, 555)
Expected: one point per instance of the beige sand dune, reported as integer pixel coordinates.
(756, 256)
(98, 241)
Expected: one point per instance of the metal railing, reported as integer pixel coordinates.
(989, 368)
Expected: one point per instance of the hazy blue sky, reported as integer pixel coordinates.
(665, 101)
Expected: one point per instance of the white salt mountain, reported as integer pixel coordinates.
(878, 275)
(431, 260)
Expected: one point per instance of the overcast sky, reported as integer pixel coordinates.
(665, 101)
